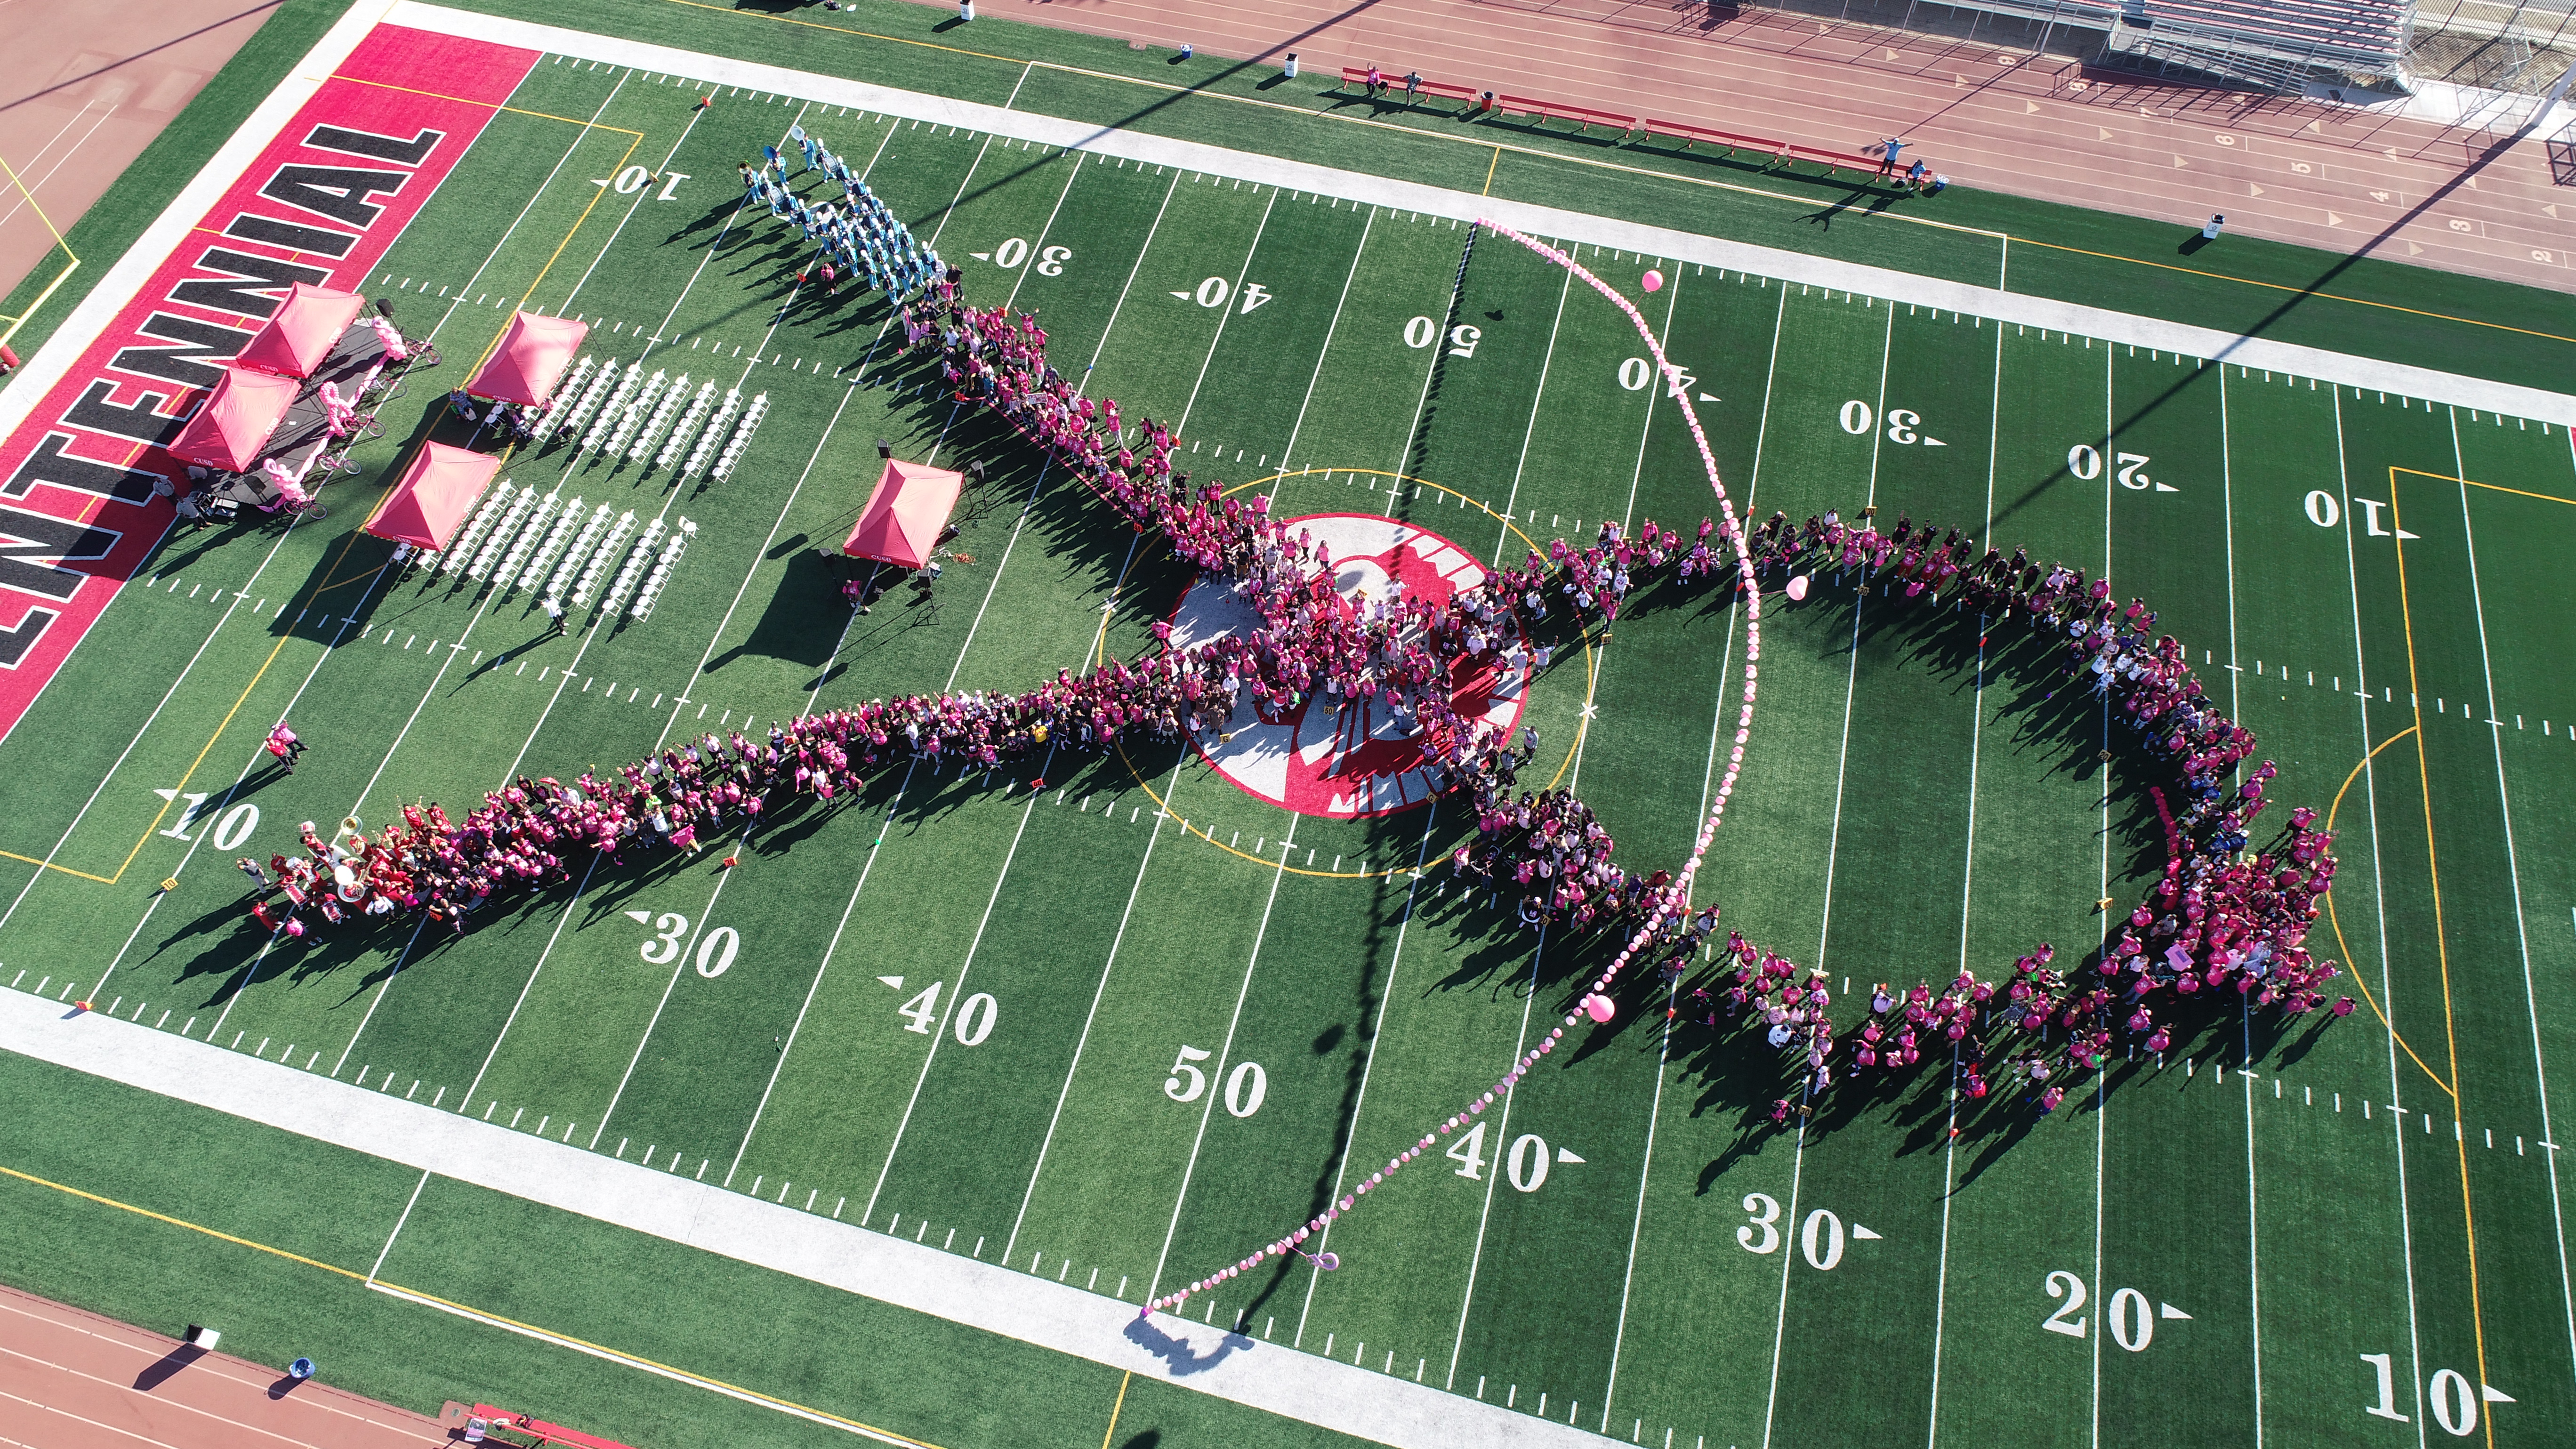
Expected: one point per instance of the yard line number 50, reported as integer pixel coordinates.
(1246, 1087)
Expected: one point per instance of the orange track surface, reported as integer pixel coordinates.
(2001, 119)
(74, 1380)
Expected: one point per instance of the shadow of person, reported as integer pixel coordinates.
(159, 1371)
(1177, 1351)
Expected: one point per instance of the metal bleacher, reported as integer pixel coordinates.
(2274, 44)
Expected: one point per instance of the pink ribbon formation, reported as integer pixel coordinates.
(2217, 917)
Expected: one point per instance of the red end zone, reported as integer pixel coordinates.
(320, 204)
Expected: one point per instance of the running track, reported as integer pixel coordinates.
(74, 1380)
(2314, 173)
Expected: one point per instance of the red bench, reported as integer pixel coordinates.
(1357, 75)
(1780, 153)
(1584, 116)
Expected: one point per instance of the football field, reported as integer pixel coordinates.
(1117, 1020)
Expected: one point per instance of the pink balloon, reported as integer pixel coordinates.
(1798, 587)
(1654, 281)
(1599, 1008)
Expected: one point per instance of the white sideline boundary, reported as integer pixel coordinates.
(122, 281)
(2118, 328)
(876, 1265)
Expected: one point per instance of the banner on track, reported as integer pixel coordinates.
(320, 204)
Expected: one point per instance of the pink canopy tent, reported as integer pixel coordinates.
(901, 523)
(231, 428)
(435, 494)
(303, 332)
(529, 360)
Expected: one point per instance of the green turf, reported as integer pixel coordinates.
(1918, 798)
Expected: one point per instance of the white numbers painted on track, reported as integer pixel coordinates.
(1420, 333)
(921, 1010)
(2130, 476)
(1528, 1169)
(1764, 1209)
(671, 185)
(975, 1018)
(2133, 1324)
(1635, 373)
(236, 826)
(2454, 1403)
(1181, 1068)
(2068, 1319)
(670, 930)
(1822, 1240)
(1470, 1150)
(1255, 294)
(2323, 510)
(716, 951)
(632, 179)
(1051, 261)
(1901, 423)
(1856, 418)
(1214, 291)
(1463, 340)
(1011, 253)
(1245, 1086)
(2084, 461)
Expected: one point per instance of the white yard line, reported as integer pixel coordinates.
(1224, 1057)
(1331, 330)
(388, 1249)
(560, 162)
(758, 557)
(956, 993)
(1967, 884)
(1529, 433)
(2101, 1102)
(146, 727)
(1368, 1062)
(1637, 1224)
(526, 986)
(2245, 1011)
(1225, 313)
(1485, 1214)
(1171, 789)
(1825, 922)
(2513, 864)
(1646, 432)
(679, 968)
(643, 194)
(210, 817)
(1083, 382)
(829, 950)
(949, 1287)
(2379, 908)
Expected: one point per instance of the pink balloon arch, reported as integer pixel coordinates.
(1670, 904)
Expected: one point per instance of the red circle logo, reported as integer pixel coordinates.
(1341, 757)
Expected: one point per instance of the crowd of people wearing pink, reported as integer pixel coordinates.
(2218, 920)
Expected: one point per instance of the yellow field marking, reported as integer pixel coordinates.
(2474, 483)
(398, 1291)
(183, 1223)
(2335, 921)
(487, 105)
(2441, 944)
(2280, 287)
(1489, 172)
(37, 305)
(211, 740)
(1112, 1430)
(1591, 657)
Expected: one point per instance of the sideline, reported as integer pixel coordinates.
(1030, 1309)
(2155, 334)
